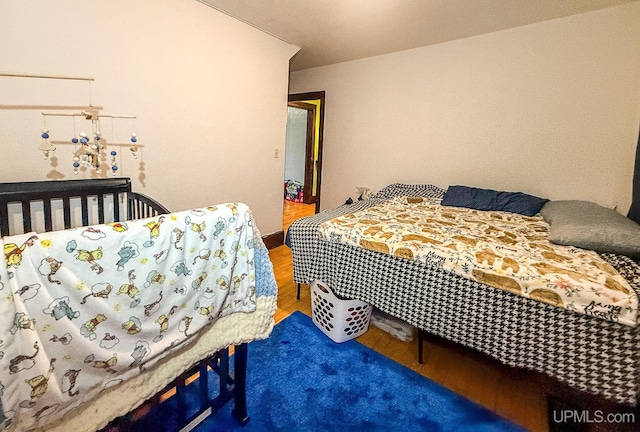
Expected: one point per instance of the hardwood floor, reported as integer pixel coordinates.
(294, 211)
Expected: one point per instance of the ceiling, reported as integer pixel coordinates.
(334, 31)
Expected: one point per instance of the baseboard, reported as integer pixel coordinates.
(273, 240)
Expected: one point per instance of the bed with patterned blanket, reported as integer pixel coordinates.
(489, 280)
(96, 320)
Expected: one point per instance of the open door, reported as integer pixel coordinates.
(310, 159)
(299, 151)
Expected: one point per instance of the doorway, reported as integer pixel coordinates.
(298, 166)
(303, 148)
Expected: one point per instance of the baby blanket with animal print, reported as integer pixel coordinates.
(84, 309)
(504, 250)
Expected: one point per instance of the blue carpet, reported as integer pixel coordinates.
(300, 380)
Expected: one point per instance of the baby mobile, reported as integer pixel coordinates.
(90, 147)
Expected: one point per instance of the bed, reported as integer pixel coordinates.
(108, 300)
(591, 346)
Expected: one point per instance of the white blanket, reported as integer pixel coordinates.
(85, 309)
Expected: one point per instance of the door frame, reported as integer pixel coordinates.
(312, 96)
(307, 189)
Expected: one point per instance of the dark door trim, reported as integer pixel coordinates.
(317, 95)
(307, 195)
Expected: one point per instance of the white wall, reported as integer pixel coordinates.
(209, 93)
(550, 109)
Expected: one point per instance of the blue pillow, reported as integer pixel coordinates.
(488, 199)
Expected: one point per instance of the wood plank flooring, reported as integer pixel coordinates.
(294, 211)
(516, 394)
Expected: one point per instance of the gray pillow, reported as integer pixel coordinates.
(588, 225)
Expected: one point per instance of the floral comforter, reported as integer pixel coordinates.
(84, 309)
(503, 250)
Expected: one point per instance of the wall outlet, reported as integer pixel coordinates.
(276, 152)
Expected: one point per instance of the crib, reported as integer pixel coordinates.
(46, 206)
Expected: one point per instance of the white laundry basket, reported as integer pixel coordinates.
(340, 319)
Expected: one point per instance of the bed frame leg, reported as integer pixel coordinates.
(420, 339)
(298, 296)
(240, 371)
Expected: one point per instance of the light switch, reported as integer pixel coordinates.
(276, 152)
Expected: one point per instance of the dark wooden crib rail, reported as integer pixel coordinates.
(141, 206)
(47, 192)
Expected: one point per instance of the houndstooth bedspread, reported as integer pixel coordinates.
(585, 352)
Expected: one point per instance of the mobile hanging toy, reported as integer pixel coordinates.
(90, 148)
